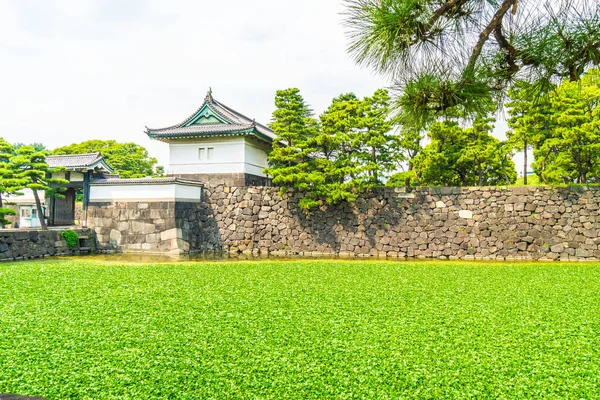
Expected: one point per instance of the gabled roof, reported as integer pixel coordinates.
(213, 118)
(78, 162)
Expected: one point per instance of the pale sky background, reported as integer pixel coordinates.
(73, 70)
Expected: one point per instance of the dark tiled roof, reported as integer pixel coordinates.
(77, 161)
(145, 181)
(220, 128)
(237, 124)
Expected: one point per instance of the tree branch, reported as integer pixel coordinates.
(443, 9)
(510, 50)
(485, 34)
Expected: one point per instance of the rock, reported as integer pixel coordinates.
(467, 214)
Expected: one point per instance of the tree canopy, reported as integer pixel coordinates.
(454, 54)
(458, 156)
(129, 160)
(9, 183)
(349, 148)
(36, 175)
(567, 129)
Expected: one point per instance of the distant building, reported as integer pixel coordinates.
(80, 169)
(217, 144)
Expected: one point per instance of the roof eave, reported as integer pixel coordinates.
(166, 137)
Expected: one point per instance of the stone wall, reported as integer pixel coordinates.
(153, 227)
(25, 244)
(539, 223)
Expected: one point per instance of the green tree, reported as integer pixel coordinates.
(378, 153)
(129, 160)
(407, 145)
(9, 183)
(36, 146)
(290, 163)
(571, 154)
(36, 175)
(529, 119)
(454, 54)
(463, 157)
(348, 151)
(341, 123)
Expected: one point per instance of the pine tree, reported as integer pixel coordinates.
(290, 162)
(9, 184)
(378, 154)
(454, 54)
(529, 119)
(464, 157)
(572, 153)
(36, 175)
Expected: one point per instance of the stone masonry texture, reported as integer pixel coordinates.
(153, 227)
(495, 223)
(25, 244)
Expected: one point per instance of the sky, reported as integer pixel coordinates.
(74, 70)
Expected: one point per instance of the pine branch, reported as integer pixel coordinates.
(485, 34)
(424, 30)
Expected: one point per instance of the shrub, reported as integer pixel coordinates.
(71, 238)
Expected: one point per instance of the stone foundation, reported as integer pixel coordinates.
(152, 227)
(529, 223)
(520, 223)
(25, 244)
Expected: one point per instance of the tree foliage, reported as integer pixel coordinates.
(454, 54)
(458, 156)
(36, 146)
(9, 183)
(36, 175)
(570, 152)
(129, 160)
(530, 120)
(289, 160)
(348, 150)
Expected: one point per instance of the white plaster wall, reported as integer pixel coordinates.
(26, 198)
(166, 192)
(228, 156)
(255, 157)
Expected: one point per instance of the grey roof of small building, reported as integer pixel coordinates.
(78, 161)
(237, 124)
(145, 181)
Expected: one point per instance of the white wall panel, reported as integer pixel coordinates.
(145, 192)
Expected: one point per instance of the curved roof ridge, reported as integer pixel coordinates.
(240, 115)
(234, 118)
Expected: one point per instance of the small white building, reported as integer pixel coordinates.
(217, 143)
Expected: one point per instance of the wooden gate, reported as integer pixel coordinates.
(63, 210)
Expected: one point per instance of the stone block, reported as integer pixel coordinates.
(115, 235)
(557, 248)
(466, 214)
(142, 227)
(170, 234)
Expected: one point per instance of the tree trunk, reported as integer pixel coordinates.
(504, 171)
(38, 206)
(374, 157)
(525, 162)
(544, 166)
(407, 180)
